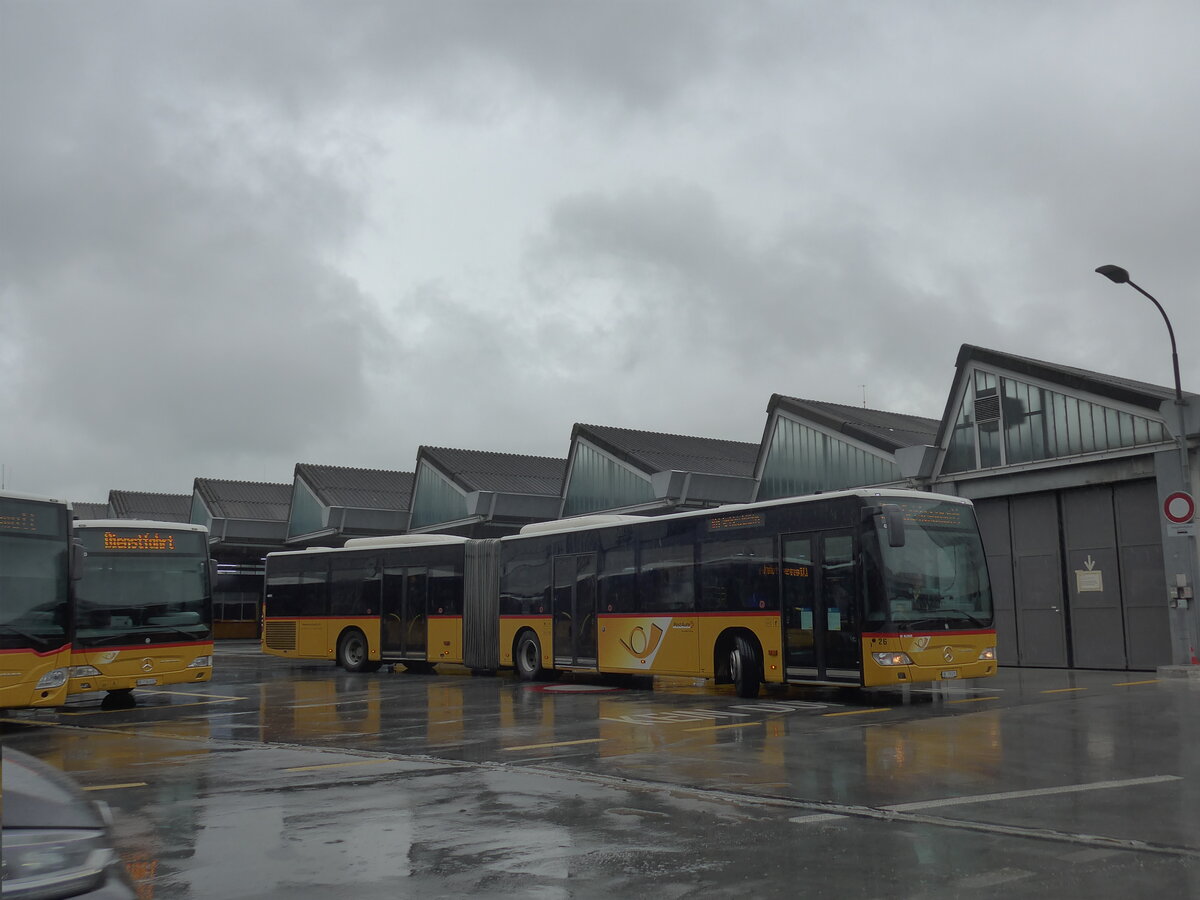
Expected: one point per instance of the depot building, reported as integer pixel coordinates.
(1077, 479)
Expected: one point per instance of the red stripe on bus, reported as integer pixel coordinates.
(898, 634)
(689, 615)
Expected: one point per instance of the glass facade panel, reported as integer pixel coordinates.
(802, 460)
(1037, 424)
(307, 514)
(989, 445)
(960, 454)
(600, 482)
(435, 500)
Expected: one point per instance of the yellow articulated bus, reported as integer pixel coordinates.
(35, 600)
(866, 588)
(143, 607)
(863, 587)
(376, 600)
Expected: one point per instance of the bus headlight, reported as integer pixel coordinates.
(55, 678)
(989, 654)
(892, 659)
(84, 671)
(200, 662)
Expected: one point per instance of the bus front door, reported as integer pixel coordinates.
(820, 620)
(405, 619)
(575, 611)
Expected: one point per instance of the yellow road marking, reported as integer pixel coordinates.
(360, 762)
(115, 787)
(1130, 683)
(720, 727)
(1063, 690)
(556, 744)
(973, 699)
(106, 712)
(859, 712)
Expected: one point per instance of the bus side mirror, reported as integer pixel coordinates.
(78, 555)
(893, 524)
(212, 575)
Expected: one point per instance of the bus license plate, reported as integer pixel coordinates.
(950, 673)
(146, 682)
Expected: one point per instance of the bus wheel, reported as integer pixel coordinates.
(529, 657)
(745, 668)
(353, 654)
(122, 698)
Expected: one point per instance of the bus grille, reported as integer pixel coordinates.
(280, 635)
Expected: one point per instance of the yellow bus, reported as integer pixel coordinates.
(376, 600)
(35, 600)
(864, 587)
(143, 607)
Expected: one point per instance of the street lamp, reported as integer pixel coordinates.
(1117, 275)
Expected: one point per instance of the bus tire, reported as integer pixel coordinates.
(353, 653)
(528, 657)
(745, 667)
(121, 698)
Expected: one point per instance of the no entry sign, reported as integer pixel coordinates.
(1179, 508)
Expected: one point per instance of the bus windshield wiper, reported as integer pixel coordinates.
(40, 640)
(190, 635)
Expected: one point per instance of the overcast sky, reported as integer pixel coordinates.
(239, 235)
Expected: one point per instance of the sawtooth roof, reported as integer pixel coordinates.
(501, 473)
(888, 431)
(151, 507)
(358, 488)
(652, 451)
(253, 500)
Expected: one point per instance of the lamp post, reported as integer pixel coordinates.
(1118, 275)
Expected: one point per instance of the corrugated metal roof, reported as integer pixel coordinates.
(152, 507)
(886, 430)
(653, 451)
(255, 500)
(501, 473)
(1124, 389)
(358, 488)
(83, 509)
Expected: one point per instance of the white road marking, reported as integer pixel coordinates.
(989, 798)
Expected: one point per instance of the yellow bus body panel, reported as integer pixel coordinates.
(146, 666)
(936, 656)
(444, 639)
(20, 671)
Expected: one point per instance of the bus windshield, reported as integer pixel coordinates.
(132, 587)
(33, 575)
(938, 579)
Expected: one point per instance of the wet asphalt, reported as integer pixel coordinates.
(298, 780)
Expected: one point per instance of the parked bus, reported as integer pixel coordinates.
(376, 600)
(35, 600)
(861, 587)
(143, 614)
